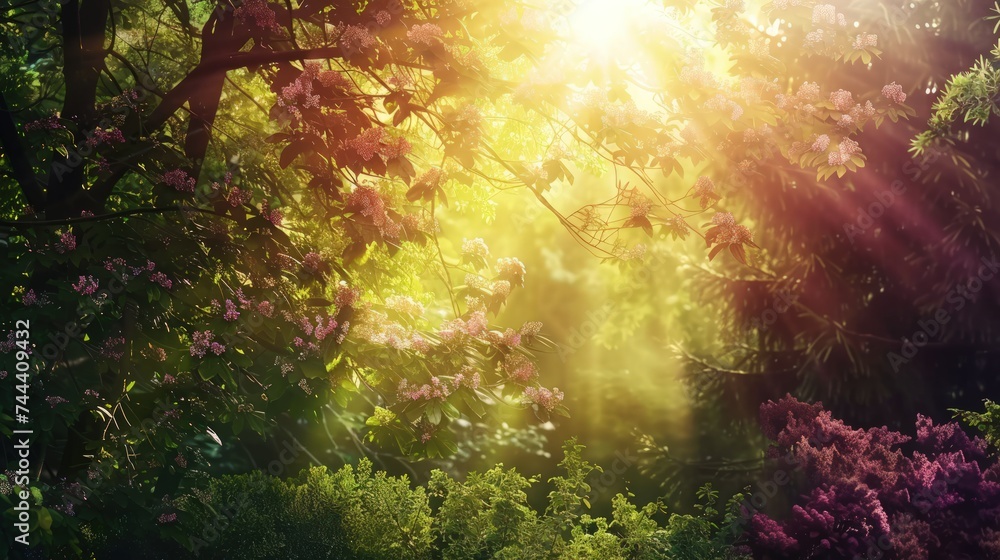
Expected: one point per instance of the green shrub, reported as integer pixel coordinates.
(987, 422)
(357, 514)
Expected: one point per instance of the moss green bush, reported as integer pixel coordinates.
(357, 513)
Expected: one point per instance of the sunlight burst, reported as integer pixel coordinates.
(607, 27)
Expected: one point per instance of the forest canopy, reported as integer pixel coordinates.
(422, 235)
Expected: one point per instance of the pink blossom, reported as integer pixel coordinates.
(808, 91)
(356, 38)
(101, 136)
(304, 385)
(300, 91)
(547, 399)
(723, 219)
(50, 122)
(367, 143)
(704, 190)
(531, 328)
(231, 313)
(519, 368)
(260, 12)
(369, 203)
(436, 389)
(511, 338)
(112, 348)
(312, 262)
(265, 308)
(865, 40)
(66, 243)
(824, 14)
(842, 100)
(54, 401)
(346, 295)
(476, 324)
(273, 216)
(238, 197)
(202, 342)
(640, 206)
(245, 302)
(29, 298)
(158, 354)
(161, 279)
(845, 151)
(395, 148)
(335, 80)
(7, 346)
(468, 377)
(179, 179)
(475, 248)
(420, 344)
(729, 231)
(425, 33)
(111, 264)
(430, 178)
(86, 286)
(324, 327)
(512, 270)
(894, 92)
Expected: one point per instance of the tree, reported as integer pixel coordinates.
(179, 283)
(220, 216)
(872, 287)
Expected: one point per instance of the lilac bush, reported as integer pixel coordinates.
(877, 493)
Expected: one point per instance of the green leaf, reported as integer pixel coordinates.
(212, 368)
(45, 519)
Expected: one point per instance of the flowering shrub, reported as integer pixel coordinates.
(877, 493)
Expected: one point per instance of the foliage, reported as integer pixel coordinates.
(183, 282)
(970, 96)
(857, 271)
(987, 422)
(878, 491)
(220, 218)
(355, 513)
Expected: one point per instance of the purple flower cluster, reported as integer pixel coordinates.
(877, 493)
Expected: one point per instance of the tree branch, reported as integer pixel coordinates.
(182, 93)
(84, 23)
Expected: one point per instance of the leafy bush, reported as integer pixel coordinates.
(356, 513)
(877, 493)
(987, 422)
